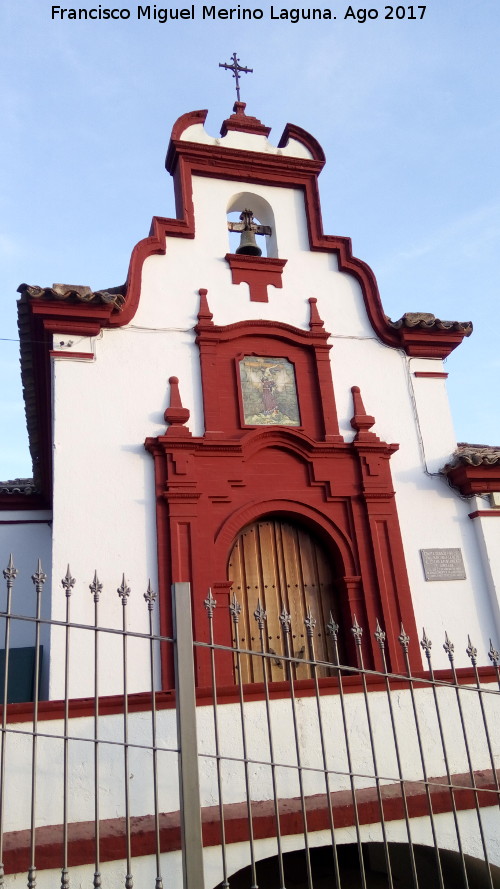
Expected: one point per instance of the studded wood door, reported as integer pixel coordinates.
(282, 566)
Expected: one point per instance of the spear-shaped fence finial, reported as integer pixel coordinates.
(426, 644)
(403, 638)
(68, 582)
(260, 615)
(449, 648)
(123, 591)
(95, 587)
(471, 652)
(235, 609)
(10, 573)
(150, 596)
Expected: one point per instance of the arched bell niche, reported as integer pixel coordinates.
(282, 564)
(263, 215)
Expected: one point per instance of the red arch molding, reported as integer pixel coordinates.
(293, 509)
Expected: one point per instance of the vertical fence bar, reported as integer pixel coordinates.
(494, 656)
(380, 637)
(190, 811)
(38, 579)
(285, 622)
(332, 629)
(471, 652)
(450, 651)
(68, 583)
(210, 606)
(235, 609)
(426, 645)
(357, 633)
(9, 574)
(404, 641)
(96, 589)
(150, 598)
(124, 592)
(261, 617)
(310, 623)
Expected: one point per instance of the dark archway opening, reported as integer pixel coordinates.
(374, 864)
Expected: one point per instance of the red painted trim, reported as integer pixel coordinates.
(229, 694)
(257, 272)
(429, 343)
(21, 502)
(292, 131)
(430, 374)
(26, 522)
(81, 835)
(482, 479)
(54, 353)
(184, 160)
(190, 118)
(485, 514)
(343, 491)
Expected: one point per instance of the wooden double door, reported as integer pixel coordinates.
(281, 565)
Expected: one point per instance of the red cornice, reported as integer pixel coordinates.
(485, 514)
(434, 343)
(482, 479)
(20, 502)
(430, 374)
(209, 332)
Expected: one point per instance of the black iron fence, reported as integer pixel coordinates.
(315, 773)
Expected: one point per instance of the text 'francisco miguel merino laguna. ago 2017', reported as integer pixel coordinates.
(235, 13)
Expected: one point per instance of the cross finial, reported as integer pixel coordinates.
(236, 68)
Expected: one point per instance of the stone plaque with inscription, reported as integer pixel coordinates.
(443, 564)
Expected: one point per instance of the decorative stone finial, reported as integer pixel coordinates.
(204, 314)
(176, 415)
(361, 421)
(314, 318)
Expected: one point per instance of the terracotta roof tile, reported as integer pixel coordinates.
(25, 486)
(473, 455)
(75, 294)
(427, 321)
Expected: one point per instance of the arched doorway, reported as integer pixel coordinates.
(280, 564)
(375, 870)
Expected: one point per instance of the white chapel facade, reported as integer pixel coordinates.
(246, 421)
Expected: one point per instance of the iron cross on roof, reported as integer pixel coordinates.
(236, 68)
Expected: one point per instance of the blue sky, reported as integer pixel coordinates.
(407, 112)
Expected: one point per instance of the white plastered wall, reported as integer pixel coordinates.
(487, 532)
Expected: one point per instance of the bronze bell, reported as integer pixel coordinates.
(248, 244)
(248, 228)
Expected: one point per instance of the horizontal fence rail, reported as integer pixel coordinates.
(301, 772)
